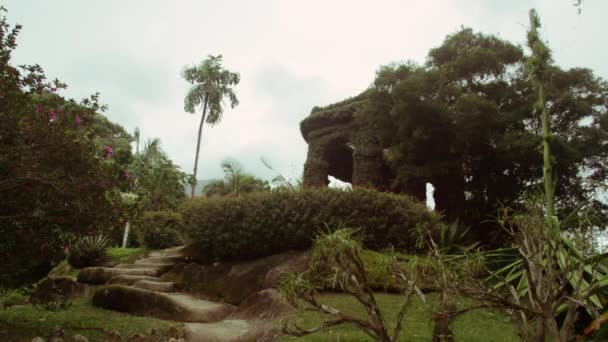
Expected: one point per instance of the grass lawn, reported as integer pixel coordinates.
(481, 325)
(126, 255)
(22, 323)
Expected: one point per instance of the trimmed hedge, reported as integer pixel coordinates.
(263, 224)
(159, 229)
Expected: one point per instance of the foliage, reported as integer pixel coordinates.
(158, 184)
(55, 176)
(211, 84)
(236, 182)
(549, 282)
(159, 229)
(474, 326)
(126, 255)
(463, 122)
(89, 251)
(114, 254)
(63, 269)
(26, 322)
(262, 224)
(14, 297)
(336, 259)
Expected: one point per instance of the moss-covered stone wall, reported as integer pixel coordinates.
(340, 146)
(343, 145)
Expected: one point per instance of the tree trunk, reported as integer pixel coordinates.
(540, 57)
(552, 329)
(125, 237)
(198, 147)
(547, 162)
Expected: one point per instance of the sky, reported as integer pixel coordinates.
(291, 55)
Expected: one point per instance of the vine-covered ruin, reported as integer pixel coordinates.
(342, 144)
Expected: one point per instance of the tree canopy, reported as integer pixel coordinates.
(464, 122)
(236, 181)
(61, 162)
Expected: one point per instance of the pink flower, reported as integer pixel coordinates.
(108, 151)
(78, 120)
(53, 89)
(39, 109)
(52, 116)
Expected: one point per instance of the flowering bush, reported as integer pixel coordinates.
(54, 175)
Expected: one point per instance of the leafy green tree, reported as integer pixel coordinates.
(158, 183)
(463, 122)
(56, 178)
(236, 182)
(211, 84)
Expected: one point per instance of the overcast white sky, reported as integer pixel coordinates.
(292, 55)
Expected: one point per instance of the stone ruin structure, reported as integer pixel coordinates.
(341, 143)
(340, 146)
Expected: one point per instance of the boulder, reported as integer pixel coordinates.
(58, 289)
(232, 282)
(176, 307)
(100, 275)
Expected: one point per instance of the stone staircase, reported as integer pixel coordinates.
(139, 289)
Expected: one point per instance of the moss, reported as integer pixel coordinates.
(63, 269)
(118, 255)
(25, 322)
(14, 297)
(476, 326)
(342, 103)
(126, 255)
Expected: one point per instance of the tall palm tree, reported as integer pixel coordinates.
(211, 84)
(152, 151)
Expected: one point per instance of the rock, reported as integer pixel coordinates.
(57, 335)
(80, 338)
(111, 336)
(176, 307)
(267, 304)
(232, 282)
(297, 263)
(100, 275)
(58, 289)
(173, 333)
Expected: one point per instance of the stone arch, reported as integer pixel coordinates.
(339, 158)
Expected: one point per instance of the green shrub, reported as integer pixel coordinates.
(89, 251)
(159, 229)
(263, 224)
(15, 297)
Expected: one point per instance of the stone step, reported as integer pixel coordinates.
(151, 266)
(156, 285)
(229, 330)
(175, 307)
(161, 260)
(100, 275)
(130, 279)
(176, 251)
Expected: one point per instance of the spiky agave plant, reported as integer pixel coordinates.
(89, 251)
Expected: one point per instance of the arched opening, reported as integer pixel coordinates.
(339, 158)
(430, 196)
